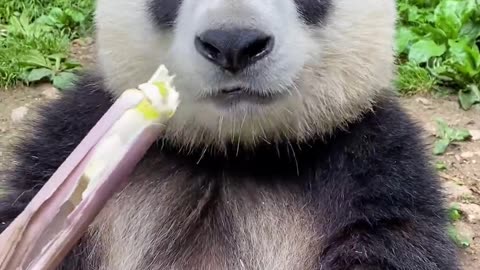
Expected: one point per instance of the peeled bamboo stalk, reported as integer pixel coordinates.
(57, 217)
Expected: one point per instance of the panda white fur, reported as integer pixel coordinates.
(289, 150)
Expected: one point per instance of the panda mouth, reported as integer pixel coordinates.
(231, 96)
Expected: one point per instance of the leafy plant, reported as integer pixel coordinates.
(454, 213)
(55, 67)
(442, 37)
(446, 135)
(45, 28)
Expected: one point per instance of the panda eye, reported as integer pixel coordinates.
(313, 11)
(164, 12)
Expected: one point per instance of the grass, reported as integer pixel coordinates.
(437, 44)
(35, 37)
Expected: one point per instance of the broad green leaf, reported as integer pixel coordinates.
(75, 15)
(469, 96)
(64, 80)
(464, 57)
(471, 30)
(452, 134)
(450, 15)
(454, 213)
(56, 12)
(441, 146)
(421, 51)
(450, 27)
(403, 39)
(34, 59)
(38, 74)
(446, 135)
(413, 14)
(434, 33)
(459, 135)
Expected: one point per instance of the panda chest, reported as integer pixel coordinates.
(205, 224)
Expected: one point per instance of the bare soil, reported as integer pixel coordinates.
(461, 178)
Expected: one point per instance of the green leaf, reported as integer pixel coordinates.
(433, 33)
(34, 59)
(56, 12)
(452, 134)
(38, 74)
(471, 30)
(464, 57)
(403, 39)
(442, 128)
(469, 97)
(64, 80)
(440, 166)
(75, 15)
(423, 50)
(450, 15)
(460, 135)
(441, 146)
(454, 213)
(72, 65)
(446, 135)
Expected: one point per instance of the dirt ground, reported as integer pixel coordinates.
(461, 178)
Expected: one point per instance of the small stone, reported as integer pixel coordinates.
(475, 134)
(423, 101)
(51, 93)
(458, 157)
(19, 114)
(454, 191)
(471, 211)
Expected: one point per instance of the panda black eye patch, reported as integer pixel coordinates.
(164, 12)
(313, 11)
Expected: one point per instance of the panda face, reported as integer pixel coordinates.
(248, 70)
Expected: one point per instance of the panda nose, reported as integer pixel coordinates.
(234, 50)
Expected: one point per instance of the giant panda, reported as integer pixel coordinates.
(289, 150)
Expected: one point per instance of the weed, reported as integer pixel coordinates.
(446, 135)
(35, 37)
(441, 166)
(412, 79)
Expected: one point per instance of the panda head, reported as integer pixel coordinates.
(250, 71)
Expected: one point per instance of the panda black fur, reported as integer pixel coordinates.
(347, 186)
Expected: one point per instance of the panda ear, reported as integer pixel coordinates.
(313, 11)
(164, 12)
